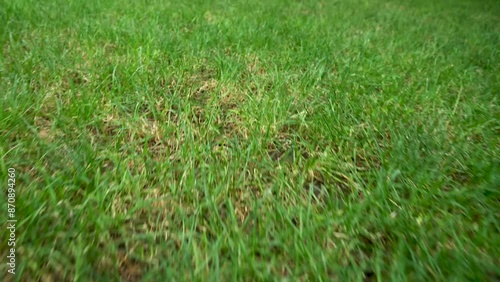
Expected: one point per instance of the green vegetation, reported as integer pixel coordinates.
(251, 140)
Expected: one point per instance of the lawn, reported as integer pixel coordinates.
(262, 140)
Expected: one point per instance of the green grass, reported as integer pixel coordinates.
(251, 140)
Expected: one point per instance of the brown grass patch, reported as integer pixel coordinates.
(254, 66)
(130, 269)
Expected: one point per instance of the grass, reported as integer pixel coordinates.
(251, 140)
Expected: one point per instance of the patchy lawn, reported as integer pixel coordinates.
(251, 140)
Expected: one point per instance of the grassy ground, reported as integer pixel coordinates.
(251, 140)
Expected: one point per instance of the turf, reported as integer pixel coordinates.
(251, 140)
